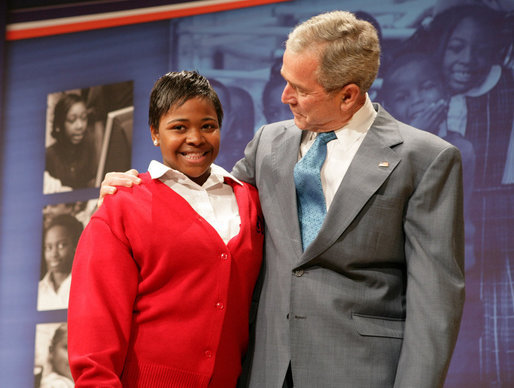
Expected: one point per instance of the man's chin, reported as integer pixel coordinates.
(300, 122)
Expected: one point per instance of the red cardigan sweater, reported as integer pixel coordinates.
(157, 298)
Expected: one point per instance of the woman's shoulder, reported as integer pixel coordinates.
(250, 192)
(249, 187)
(52, 152)
(126, 200)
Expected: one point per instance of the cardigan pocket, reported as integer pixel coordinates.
(376, 326)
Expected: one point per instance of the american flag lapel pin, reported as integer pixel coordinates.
(383, 164)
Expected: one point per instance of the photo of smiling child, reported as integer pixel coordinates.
(77, 128)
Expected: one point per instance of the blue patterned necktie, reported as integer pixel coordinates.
(309, 192)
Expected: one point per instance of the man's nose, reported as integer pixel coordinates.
(288, 95)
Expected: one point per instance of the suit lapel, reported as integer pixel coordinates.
(285, 155)
(373, 163)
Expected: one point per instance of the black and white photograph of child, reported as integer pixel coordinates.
(51, 367)
(62, 226)
(87, 129)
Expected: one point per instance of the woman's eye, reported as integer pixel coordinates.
(62, 245)
(72, 119)
(209, 127)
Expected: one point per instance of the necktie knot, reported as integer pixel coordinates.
(325, 137)
(311, 200)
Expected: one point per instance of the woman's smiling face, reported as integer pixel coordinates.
(59, 250)
(467, 57)
(75, 124)
(189, 138)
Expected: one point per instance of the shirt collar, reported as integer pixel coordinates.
(158, 170)
(362, 119)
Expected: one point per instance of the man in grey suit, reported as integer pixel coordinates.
(375, 300)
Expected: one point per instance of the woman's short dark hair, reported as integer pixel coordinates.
(61, 110)
(174, 89)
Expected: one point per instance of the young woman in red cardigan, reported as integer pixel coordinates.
(164, 272)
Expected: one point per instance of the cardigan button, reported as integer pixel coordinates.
(299, 272)
(220, 306)
(224, 256)
(208, 354)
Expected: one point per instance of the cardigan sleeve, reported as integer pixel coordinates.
(103, 290)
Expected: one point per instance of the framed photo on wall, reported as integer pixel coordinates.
(88, 132)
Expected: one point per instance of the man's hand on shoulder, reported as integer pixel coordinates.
(113, 179)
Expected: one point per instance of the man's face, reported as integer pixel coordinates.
(313, 108)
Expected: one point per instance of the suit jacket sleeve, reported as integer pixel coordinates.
(244, 169)
(434, 249)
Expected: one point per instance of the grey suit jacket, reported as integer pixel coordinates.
(376, 299)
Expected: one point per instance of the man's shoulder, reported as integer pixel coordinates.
(278, 129)
(409, 134)
(285, 124)
(408, 140)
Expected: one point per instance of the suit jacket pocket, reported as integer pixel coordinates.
(374, 326)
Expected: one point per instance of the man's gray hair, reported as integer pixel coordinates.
(348, 49)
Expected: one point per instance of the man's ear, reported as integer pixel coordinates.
(350, 96)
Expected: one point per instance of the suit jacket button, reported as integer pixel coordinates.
(299, 272)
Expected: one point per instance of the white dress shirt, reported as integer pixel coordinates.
(341, 151)
(215, 200)
(48, 298)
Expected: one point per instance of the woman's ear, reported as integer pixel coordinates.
(155, 136)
